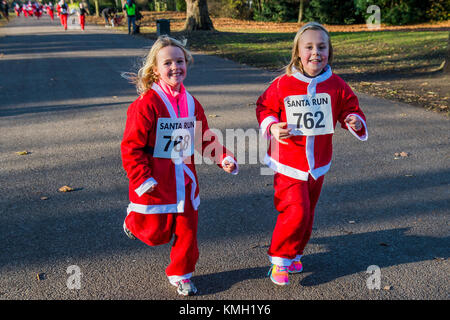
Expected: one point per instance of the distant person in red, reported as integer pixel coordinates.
(58, 11)
(17, 9)
(24, 10)
(64, 12)
(82, 14)
(33, 7)
(50, 10)
(38, 10)
(30, 9)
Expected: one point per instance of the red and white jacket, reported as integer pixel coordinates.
(144, 170)
(306, 155)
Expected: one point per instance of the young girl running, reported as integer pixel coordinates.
(299, 112)
(82, 14)
(162, 126)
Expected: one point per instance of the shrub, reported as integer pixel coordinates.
(332, 12)
(279, 11)
(439, 10)
(396, 12)
(180, 5)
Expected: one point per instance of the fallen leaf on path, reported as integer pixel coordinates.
(65, 189)
(40, 276)
(44, 198)
(22, 153)
(213, 115)
(402, 154)
(387, 288)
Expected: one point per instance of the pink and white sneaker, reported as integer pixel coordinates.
(279, 275)
(295, 267)
(185, 287)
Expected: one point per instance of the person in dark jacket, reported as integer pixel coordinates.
(108, 13)
(82, 15)
(4, 8)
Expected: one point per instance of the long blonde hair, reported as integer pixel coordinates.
(146, 76)
(295, 57)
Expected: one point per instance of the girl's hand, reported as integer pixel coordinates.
(353, 122)
(228, 166)
(278, 131)
(151, 189)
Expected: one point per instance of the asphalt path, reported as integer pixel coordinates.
(62, 98)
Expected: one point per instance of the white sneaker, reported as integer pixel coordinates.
(128, 232)
(186, 287)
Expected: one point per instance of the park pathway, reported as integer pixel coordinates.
(63, 100)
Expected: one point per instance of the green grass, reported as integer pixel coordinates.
(397, 65)
(399, 51)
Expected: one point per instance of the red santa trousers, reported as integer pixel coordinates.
(157, 229)
(64, 21)
(295, 200)
(82, 21)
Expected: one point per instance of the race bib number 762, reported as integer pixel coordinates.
(309, 116)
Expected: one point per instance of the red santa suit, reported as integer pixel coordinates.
(311, 107)
(17, 9)
(50, 10)
(30, 9)
(37, 10)
(64, 13)
(171, 208)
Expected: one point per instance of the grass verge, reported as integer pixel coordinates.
(396, 63)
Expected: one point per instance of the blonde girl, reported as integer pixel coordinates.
(299, 112)
(162, 126)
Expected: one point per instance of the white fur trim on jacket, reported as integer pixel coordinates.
(366, 135)
(293, 172)
(265, 125)
(143, 188)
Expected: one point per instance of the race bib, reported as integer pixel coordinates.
(309, 116)
(174, 138)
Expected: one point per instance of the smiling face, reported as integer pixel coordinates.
(171, 66)
(313, 51)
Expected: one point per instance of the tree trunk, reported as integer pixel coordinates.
(300, 11)
(197, 16)
(97, 11)
(447, 57)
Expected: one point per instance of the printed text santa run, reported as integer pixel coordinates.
(305, 102)
(176, 125)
